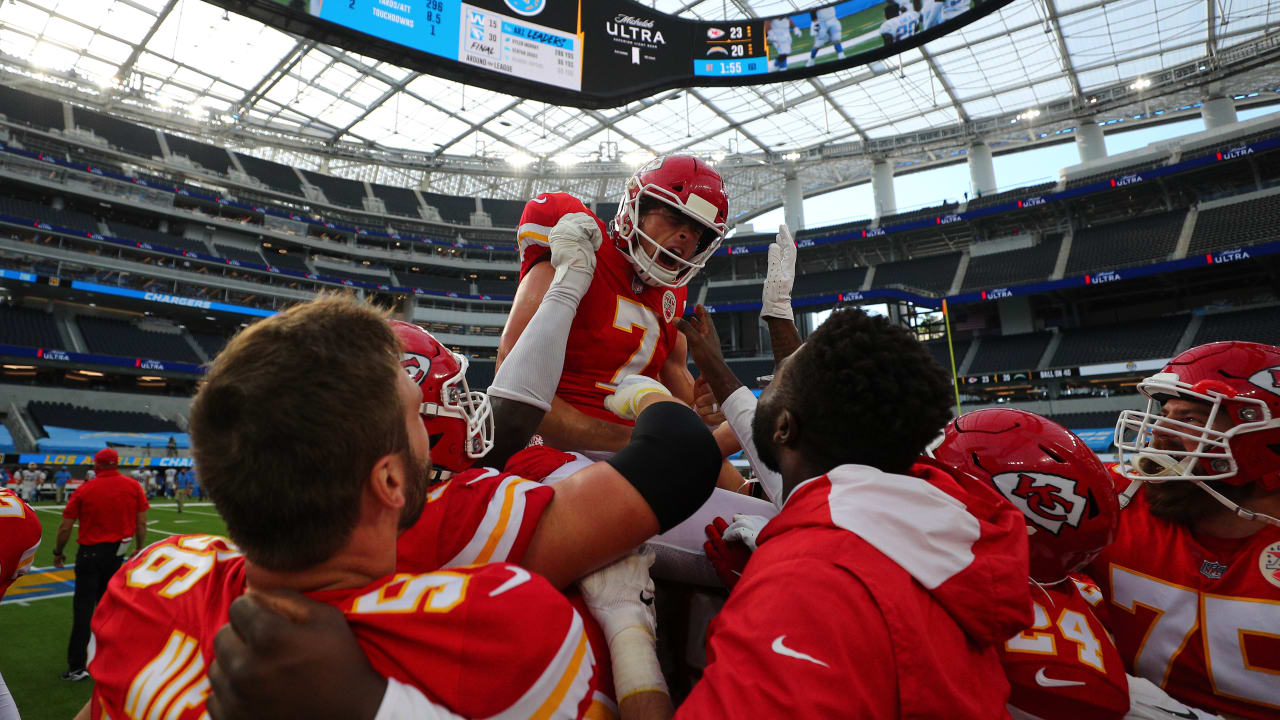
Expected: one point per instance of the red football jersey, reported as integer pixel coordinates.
(483, 515)
(1065, 666)
(478, 516)
(19, 537)
(1199, 616)
(623, 326)
(449, 633)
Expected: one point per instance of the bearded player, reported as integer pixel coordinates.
(671, 218)
(19, 539)
(1193, 578)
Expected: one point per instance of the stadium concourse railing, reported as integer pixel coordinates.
(1103, 185)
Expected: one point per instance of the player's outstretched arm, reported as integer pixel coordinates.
(775, 307)
(524, 386)
(665, 473)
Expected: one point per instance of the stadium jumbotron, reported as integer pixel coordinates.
(1054, 197)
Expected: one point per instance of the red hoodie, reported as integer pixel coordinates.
(872, 596)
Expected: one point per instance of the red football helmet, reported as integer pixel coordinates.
(1240, 380)
(459, 422)
(694, 189)
(1048, 473)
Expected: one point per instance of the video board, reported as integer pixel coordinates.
(603, 53)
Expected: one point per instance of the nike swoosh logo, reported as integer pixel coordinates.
(519, 576)
(540, 200)
(646, 598)
(1188, 714)
(781, 649)
(1044, 681)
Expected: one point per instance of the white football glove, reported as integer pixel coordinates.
(574, 241)
(746, 528)
(776, 301)
(621, 595)
(795, 31)
(625, 400)
(1148, 702)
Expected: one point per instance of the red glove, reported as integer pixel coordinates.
(728, 557)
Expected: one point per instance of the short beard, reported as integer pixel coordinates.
(762, 425)
(1187, 504)
(415, 492)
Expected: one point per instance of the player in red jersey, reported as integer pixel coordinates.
(1193, 578)
(1064, 666)
(672, 217)
(19, 539)
(316, 399)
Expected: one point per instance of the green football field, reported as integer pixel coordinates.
(35, 615)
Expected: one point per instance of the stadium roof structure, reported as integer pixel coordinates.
(1028, 73)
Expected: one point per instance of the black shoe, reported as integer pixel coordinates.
(75, 675)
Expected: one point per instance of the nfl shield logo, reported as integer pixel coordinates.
(1269, 563)
(1212, 570)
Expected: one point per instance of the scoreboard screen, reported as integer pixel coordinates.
(604, 53)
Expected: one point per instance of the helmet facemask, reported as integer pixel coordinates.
(471, 407)
(648, 267)
(1211, 458)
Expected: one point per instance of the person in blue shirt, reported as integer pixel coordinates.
(60, 479)
(183, 489)
(196, 492)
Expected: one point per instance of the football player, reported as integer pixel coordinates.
(19, 540)
(1065, 665)
(672, 217)
(780, 31)
(316, 399)
(899, 24)
(826, 29)
(1193, 579)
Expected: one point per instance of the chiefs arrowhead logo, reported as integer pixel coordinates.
(1050, 501)
(1268, 379)
(416, 365)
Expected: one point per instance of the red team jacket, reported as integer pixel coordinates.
(484, 515)
(1198, 616)
(449, 633)
(872, 596)
(1064, 666)
(19, 537)
(623, 326)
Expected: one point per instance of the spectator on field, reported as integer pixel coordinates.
(60, 479)
(112, 510)
(171, 450)
(196, 491)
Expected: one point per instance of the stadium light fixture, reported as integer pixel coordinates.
(791, 156)
(520, 160)
(1140, 84)
(717, 156)
(566, 159)
(637, 157)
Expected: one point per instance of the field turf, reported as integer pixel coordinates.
(35, 614)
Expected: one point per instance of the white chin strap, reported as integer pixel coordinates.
(1170, 468)
(1244, 513)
